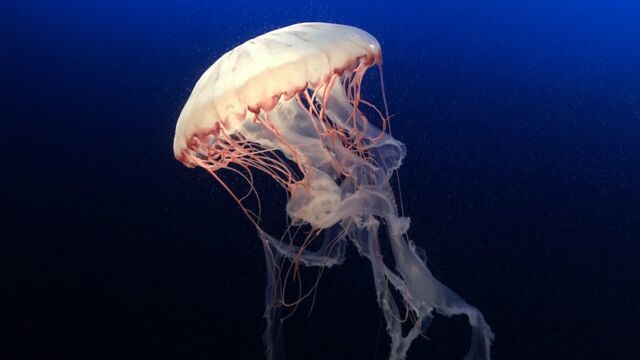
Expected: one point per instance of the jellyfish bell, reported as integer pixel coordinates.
(288, 103)
(265, 71)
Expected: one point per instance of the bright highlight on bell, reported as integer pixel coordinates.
(288, 103)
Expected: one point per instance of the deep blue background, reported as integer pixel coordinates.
(522, 121)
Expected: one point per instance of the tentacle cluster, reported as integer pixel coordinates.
(336, 168)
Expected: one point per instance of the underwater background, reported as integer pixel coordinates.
(522, 179)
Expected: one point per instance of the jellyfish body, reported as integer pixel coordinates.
(288, 103)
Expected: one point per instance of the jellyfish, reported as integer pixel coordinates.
(288, 103)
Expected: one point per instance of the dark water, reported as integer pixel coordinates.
(522, 123)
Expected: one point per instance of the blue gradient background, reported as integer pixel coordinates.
(522, 122)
